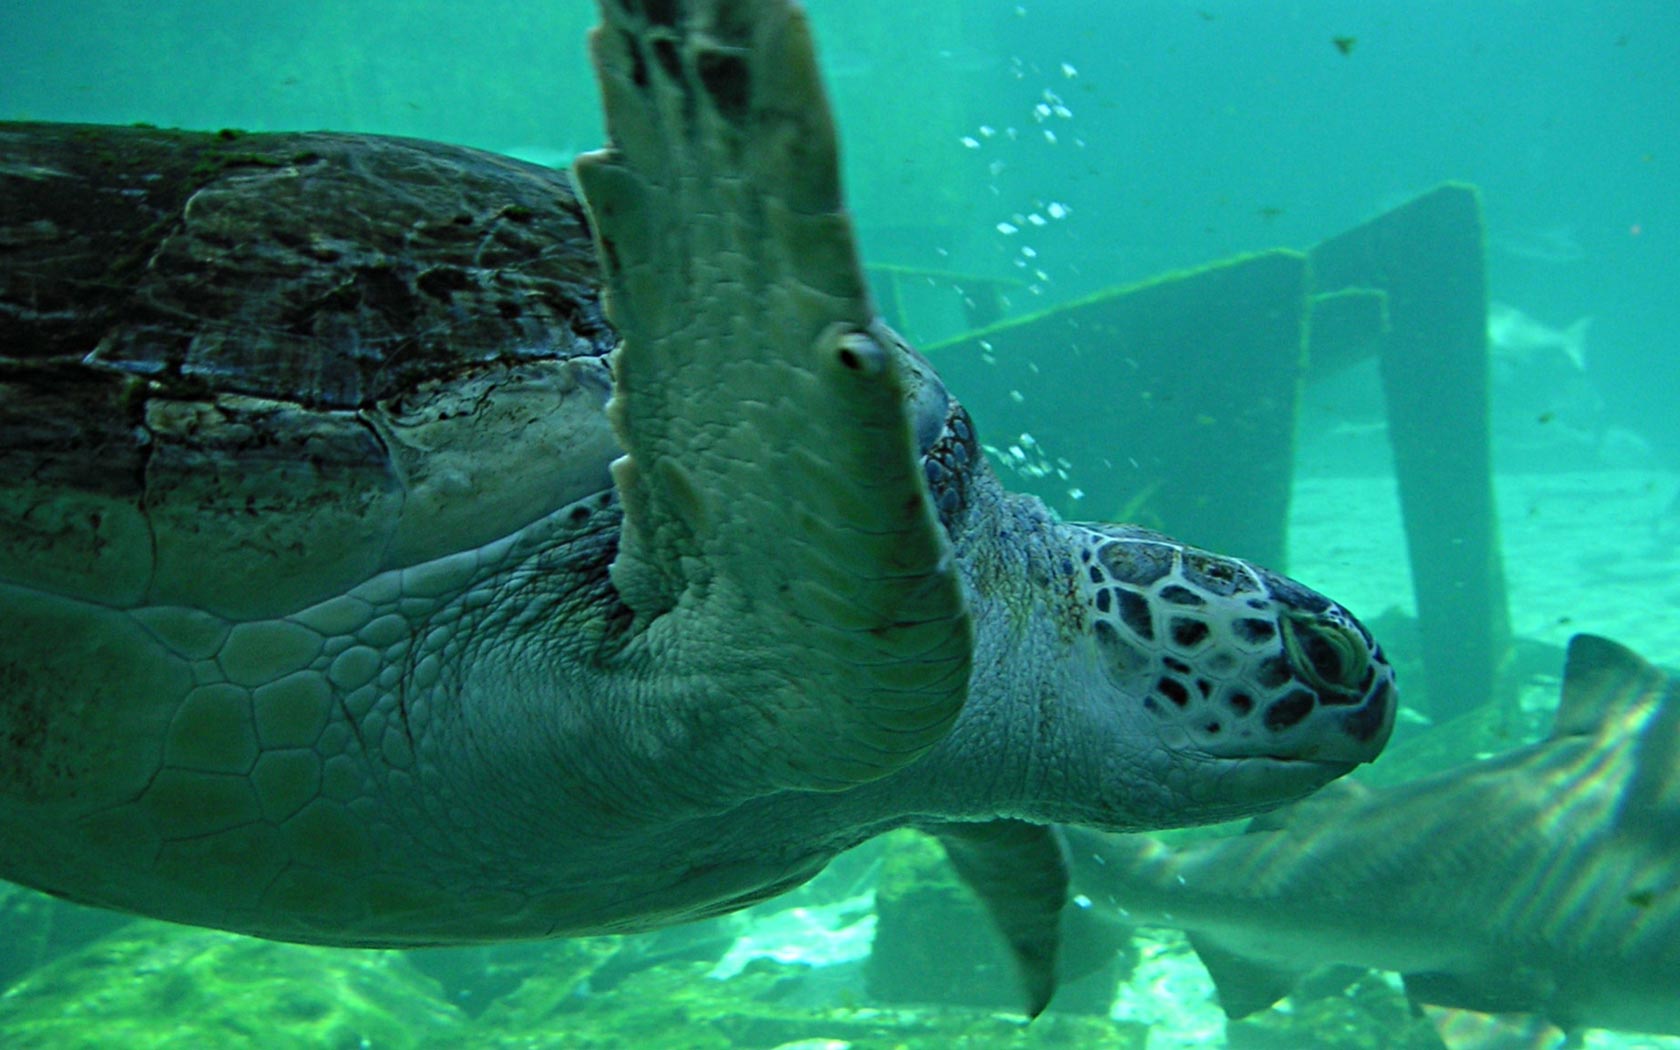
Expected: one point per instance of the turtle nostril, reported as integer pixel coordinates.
(1371, 723)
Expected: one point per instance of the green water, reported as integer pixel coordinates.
(1027, 155)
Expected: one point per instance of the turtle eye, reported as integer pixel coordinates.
(1332, 658)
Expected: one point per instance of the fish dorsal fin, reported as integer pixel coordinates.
(1245, 986)
(1602, 679)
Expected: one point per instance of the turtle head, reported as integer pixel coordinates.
(1206, 688)
(944, 434)
(1246, 688)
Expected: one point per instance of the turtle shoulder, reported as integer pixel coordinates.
(288, 359)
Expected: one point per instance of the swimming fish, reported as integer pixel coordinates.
(1521, 340)
(1542, 881)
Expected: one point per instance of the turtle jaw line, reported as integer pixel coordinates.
(1329, 769)
(1275, 764)
(1251, 784)
(1310, 773)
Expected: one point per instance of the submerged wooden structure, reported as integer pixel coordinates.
(1425, 260)
(1189, 386)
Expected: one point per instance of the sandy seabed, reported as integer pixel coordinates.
(1596, 552)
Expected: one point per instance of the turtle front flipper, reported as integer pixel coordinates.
(779, 549)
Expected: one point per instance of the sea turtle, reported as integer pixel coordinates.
(321, 618)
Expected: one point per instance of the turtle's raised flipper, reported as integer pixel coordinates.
(779, 547)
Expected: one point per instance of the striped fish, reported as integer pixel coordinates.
(1544, 881)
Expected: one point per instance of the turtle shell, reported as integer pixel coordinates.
(244, 372)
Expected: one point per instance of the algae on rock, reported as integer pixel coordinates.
(156, 987)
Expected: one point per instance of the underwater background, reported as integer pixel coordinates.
(1007, 163)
